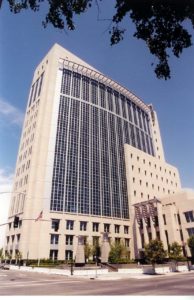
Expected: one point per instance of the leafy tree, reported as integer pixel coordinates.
(96, 251)
(154, 252)
(87, 251)
(18, 256)
(190, 243)
(8, 256)
(175, 252)
(1, 254)
(159, 23)
(117, 252)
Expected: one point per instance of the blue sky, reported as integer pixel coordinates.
(24, 42)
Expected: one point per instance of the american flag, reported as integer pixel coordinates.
(39, 216)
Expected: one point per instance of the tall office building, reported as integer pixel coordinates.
(78, 173)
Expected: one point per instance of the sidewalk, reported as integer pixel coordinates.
(136, 273)
(118, 276)
(104, 274)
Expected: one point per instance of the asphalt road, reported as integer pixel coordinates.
(24, 283)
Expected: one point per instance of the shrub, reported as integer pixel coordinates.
(175, 252)
(154, 252)
(190, 243)
(118, 252)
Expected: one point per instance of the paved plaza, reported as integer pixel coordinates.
(16, 282)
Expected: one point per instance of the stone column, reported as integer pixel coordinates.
(161, 226)
(80, 255)
(105, 248)
(144, 220)
(152, 224)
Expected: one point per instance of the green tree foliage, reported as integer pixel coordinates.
(190, 243)
(118, 252)
(159, 23)
(175, 252)
(154, 252)
(90, 250)
(87, 251)
(96, 251)
(8, 255)
(1, 254)
(18, 255)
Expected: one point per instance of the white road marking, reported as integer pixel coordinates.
(34, 283)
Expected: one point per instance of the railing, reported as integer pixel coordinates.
(110, 267)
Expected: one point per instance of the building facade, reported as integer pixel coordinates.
(78, 174)
(170, 218)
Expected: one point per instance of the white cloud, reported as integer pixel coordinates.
(11, 113)
(5, 180)
(5, 195)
